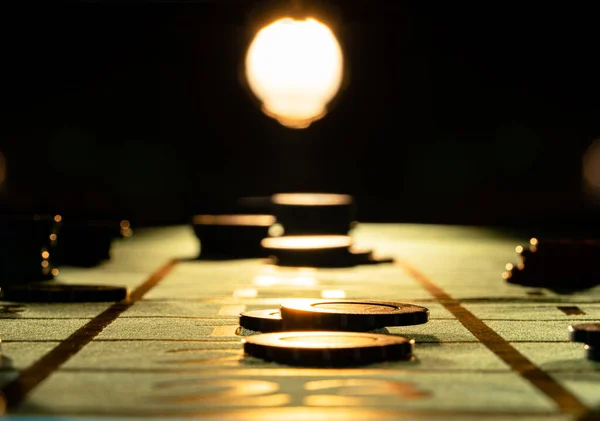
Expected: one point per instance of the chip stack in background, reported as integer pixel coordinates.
(314, 230)
(28, 246)
(589, 335)
(86, 242)
(32, 247)
(314, 213)
(557, 264)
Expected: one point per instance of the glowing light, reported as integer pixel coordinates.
(307, 242)
(55, 272)
(45, 254)
(295, 68)
(276, 230)
(519, 249)
(245, 293)
(311, 199)
(52, 237)
(45, 264)
(333, 293)
(298, 279)
(57, 218)
(533, 241)
(509, 266)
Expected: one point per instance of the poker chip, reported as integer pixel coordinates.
(231, 236)
(328, 349)
(587, 333)
(313, 251)
(561, 265)
(63, 293)
(367, 257)
(87, 242)
(351, 315)
(262, 321)
(592, 352)
(28, 248)
(314, 213)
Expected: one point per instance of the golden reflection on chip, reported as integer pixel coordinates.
(591, 165)
(308, 242)
(295, 68)
(311, 199)
(239, 220)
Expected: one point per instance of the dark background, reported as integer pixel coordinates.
(469, 114)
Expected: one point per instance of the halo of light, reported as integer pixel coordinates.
(295, 67)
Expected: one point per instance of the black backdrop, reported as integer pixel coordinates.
(451, 113)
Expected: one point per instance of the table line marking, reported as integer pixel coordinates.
(564, 399)
(15, 391)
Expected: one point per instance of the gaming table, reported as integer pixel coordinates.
(491, 350)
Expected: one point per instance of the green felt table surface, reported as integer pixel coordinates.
(491, 350)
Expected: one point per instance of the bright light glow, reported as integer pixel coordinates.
(300, 277)
(245, 293)
(295, 68)
(333, 293)
(307, 242)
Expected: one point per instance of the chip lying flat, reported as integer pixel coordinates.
(262, 321)
(329, 349)
(351, 315)
(63, 293)
(587, 333)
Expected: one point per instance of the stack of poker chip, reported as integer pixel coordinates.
(330, 333)
(28, 248)
(589, 335)
(33, 247)
(315, 230)
(86, 242)
(556, 264)
(231, 236)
